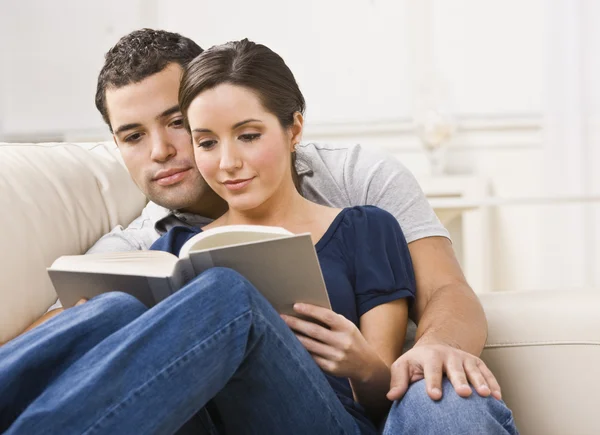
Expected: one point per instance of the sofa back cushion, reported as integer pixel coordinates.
(55, 199)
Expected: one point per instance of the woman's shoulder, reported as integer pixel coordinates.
(368, 215)
(359, 224)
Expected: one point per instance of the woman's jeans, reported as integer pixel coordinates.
(113, 366)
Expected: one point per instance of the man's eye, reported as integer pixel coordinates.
(133, 137)
(249, 137)
(207, 144)
(177, 123)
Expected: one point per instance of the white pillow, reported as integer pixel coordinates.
(55, 199)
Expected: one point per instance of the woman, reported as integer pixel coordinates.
(245, 114)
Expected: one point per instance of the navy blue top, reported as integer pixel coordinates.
(365, 262)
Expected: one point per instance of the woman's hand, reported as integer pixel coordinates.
(340, 350)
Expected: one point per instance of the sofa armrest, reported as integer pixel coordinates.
(544, 348)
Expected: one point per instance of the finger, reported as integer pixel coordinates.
(456, 373)
(434, 371)
(325, 364)
(323, 315)
(309, 329)
(476, 378)
(491, 380)
(400, 380)
(320, 349)
(81, 301)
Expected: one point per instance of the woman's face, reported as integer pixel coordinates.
(241, 150)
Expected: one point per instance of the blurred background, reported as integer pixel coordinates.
(493, 104)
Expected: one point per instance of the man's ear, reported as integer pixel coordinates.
(296, 129)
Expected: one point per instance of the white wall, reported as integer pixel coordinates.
(362, 65)
(52, 52)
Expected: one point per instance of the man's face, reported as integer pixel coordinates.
(157, 150)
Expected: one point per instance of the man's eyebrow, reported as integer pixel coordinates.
(169, 112)
(236, 125)
(126, 127)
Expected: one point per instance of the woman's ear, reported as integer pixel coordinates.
(296, 129)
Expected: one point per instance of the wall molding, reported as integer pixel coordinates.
(510, 131)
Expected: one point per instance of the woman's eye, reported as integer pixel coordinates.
(133, 138)
(177, 123)
(249, 137)
(207, 144)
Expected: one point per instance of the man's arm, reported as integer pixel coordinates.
(452, 328)
(446, 310)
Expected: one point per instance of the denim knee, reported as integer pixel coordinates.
(116, 303)
(417, 413)
(226, 288)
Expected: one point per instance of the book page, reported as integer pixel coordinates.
(230, 235)
(140, 263)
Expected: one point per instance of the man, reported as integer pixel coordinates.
(137, 96)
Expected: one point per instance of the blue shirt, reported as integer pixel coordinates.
(365, 262)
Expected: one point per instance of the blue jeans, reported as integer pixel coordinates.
(417, 414)
(113, 366)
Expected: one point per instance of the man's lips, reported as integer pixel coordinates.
(167, 177)
(237, 184)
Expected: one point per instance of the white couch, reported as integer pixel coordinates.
(58, 199)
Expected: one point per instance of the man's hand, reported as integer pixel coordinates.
(51, 314)
(431, 361)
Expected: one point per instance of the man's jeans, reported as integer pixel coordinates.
(113, 366)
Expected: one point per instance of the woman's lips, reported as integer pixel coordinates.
(237, 184)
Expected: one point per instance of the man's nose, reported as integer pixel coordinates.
(162, 148)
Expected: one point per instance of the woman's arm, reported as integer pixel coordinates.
(342, 350)
(384, 328)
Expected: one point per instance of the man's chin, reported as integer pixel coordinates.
(173, 200)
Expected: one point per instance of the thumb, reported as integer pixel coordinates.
(400, 380)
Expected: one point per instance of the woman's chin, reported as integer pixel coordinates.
(243, 205)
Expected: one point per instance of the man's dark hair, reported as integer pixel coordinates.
(139, 55)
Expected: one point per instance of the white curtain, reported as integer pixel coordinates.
(571, 233)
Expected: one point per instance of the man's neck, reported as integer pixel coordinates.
(210, 205)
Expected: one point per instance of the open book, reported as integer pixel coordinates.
(284, 267)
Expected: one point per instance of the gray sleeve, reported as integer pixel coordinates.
(138, 236)
(118, 240)
(373, 178)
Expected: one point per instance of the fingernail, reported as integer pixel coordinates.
(465, 386)
(484, 388)
(436, 391)
(298, 306)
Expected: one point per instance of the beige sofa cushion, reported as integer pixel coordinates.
(55, 199)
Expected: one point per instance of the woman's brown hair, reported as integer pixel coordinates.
(253, 66)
